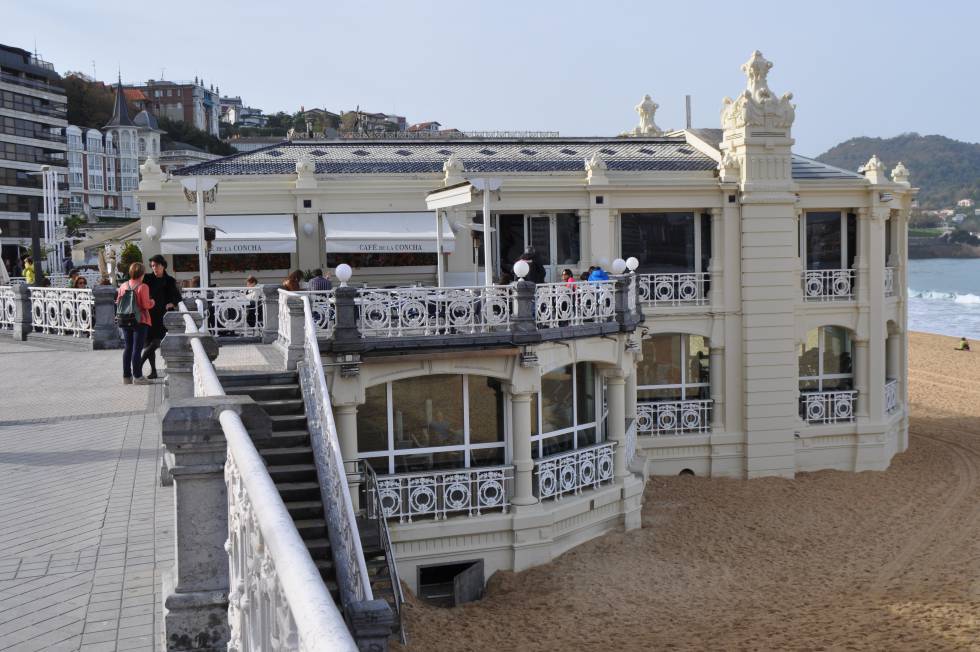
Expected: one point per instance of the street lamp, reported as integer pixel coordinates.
(201, 190)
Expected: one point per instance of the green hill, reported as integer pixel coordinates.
(944, 169)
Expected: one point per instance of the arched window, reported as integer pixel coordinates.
(564, 415)
(443, 421)
(825, 360)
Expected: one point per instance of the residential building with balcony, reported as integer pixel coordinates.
(760, 330)
(190, 102)
(32, 116)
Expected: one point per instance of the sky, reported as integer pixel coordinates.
(579, 68)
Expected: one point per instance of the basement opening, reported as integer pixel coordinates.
(449, 585)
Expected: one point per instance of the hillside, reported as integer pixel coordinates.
(944, 169)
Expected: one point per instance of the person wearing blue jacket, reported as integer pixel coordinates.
(598, 274)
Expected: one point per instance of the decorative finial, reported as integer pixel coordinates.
(595, 169)
(728, 167)
(305, 166)
(757, 70)
(647, 109)
(900, 174)
(874, 170)
(453, 169)
(757, 105)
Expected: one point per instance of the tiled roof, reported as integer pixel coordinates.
(478, 156)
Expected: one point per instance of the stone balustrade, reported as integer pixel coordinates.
(82, 317)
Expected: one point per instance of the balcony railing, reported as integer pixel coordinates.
(7, 307)
(665, 418)
(889, 281)
(407, 496)
(232, 312)
(684, 289)
(891, 395)
(828, 407)
(828, 284)
(569, 473)
(32, 83)
(561, 304)
(434, 311)
(62, 311)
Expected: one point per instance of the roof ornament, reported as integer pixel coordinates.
(454, 169)
(729, 167)
(150, 168)
(595, 169)
(874, 170)
(647, 109)
(305, 166)
(757, 106)
(900, 174)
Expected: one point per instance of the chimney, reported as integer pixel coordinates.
(687, 107)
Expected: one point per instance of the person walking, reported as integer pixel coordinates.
(166, 296)
(133, 305)
(319, 282)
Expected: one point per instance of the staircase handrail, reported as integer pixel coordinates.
(345, 539)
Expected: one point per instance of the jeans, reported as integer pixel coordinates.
(134, 339)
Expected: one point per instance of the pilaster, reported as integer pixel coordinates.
(520, 408)
(616, 421)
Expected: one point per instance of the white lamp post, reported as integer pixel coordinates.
(343, 273)
(618, 266)
(632, 263)
(201, 190)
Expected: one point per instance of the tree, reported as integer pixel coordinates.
(280, 120)
(180, 131)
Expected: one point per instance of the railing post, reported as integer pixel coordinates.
(346, 333)
(195, 593)
(105, 334)
(522, 322)
(294, 352)
(22, 311)
(371, 623)
(270, 313)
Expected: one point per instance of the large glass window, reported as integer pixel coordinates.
(675, 367)
(666, 242)
(830, 240)
(432, 422)
(563, 415)
(555, 238)
(825, 360)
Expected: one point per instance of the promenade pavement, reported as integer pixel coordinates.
(85, 528)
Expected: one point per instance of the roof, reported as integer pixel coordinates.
(120, 112)
(179, 145)
(146, 120)
(125, 232)
(477, 155)
(135, 95)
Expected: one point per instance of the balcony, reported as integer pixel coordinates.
(828, 285)
(32, 83)
(817, 408)
(439, 494)
(684, 289)
(571, 472)
(668, 418)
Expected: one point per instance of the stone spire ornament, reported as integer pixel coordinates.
(454, 169)
(900, 174)
(305, 171)
(729, 168)
(595, 169)
(874, 170)
(757, 106)
(647, 109)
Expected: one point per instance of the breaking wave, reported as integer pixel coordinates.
(934, 295)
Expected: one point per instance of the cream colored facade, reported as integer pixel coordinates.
(757, 320)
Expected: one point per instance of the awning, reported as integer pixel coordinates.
(236, 234)
(390, 233)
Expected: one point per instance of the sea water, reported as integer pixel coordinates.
(944, 296)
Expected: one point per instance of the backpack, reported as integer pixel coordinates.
(127, 310)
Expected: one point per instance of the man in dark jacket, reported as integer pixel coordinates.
(166, 295)
(536, 271)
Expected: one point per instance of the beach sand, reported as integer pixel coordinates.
(831, 560)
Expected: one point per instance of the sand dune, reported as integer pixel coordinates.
(830, 560)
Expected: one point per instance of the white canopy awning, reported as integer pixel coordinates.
(385, 233)
(236, 234)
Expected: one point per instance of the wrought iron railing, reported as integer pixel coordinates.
(231, 311)
(434, 310)
(889, 281)
(7, 307)
(664, 418)
(472, 491)
(345, 540)
(324, 310)
(571, 472)
(828, 284)
(828, 407)
(683, 289)
(62, 311)
(891, 395)
(560, 304)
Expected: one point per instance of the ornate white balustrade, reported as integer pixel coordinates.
(406, 496)
(664, 418)
(232, 311)
(684, 289)
(891, 395)
(434, 311)
(7, 307)
(569, 473)
(828, 407)
(324, 311)
(62, 311)
(559, 304)
(889, 281)
(828, 284)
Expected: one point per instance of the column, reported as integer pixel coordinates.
(616, 422)
(717, 263)
(862, 383)
(520, 409)
(716, 375)
(585, 243)
(600, 236)
(345, 416)
(631, 394)
(105, 333)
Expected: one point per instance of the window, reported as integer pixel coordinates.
(359, 261)
(443, 421)
(825, 360)
(667, 242)
(563, 413)
(675, 367)
(829, 239)
(228, 262)
(28, 104)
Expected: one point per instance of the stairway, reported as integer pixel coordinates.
(289, 459)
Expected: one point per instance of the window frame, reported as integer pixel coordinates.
(821, 349)
(684, 386)
(537, 440)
